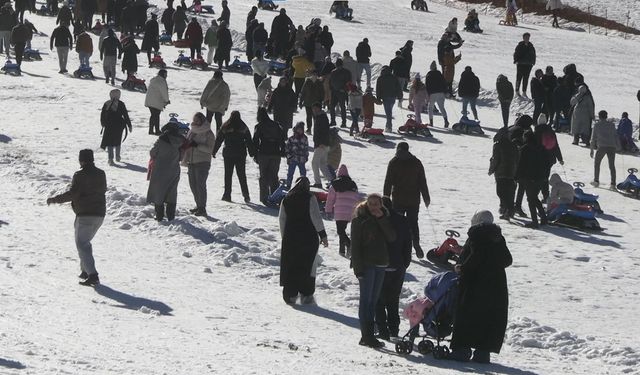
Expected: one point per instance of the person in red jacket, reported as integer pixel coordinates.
(195, 38)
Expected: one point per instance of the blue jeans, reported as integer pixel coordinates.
(366, 67)
(84, 58)
(388, 104)
(370, 287)
(466, 101)
(292, 168)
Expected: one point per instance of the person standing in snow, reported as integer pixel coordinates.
(583, 113)
(503, 166)
(260, 68)
(387, 90)
(469, 90)
(197, 156)
(448, 59)
(20, 34)
(297, 152)
(554, 6)
(312, 92)
(150, 41)
(157, 99)
(549, 83)
(355, 106)
(300, 66)
(248, 36)
(223, 52)
(625, 133)
(342, 199)
(215, 98)
(418, 97)
(84, 47)
(302, 231)
(87, 197)
(283, 104)
(269, 143)
(179, 21)
(363, 54)
(211, 40)
(532, 166)
(405, 182)
(371, 231)
(110, 50)
(482, 309)
(505, 96)
(167, 19)
(130, 51)
(114, 119)
(605, 141)
(62, 39)
(538, 95)
(281, 27)
(387, 317)
(400, 69)
(164, 174)
(406, 52)
(436, 89)
(321, 145)
(547, 138)
(525, 58)
(338, 82)
(194, 36)
(226, 13)
(236, 137)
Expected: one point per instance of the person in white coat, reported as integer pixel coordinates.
(215, 98)
(351, 65)
(156, 100)
(260, 68)
(554, 6)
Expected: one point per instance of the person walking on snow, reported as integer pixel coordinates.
(321, 145)
(363, 54)
(269, 143)
(260, 68)
(525, 58)
(297, 152)
(505, 96)
(312, 92)
(342, 199)
(211, 40)
(215, 98)
(469, 90)
(436, 89)
(114, 119)
(63, 41)
(503, 166)
(418, 97)
(157, 99)
(387, 90)
(197, 156)
(554, 6)
(583, 113)
(110, 51)
(194, 36)
(405, 182)
(532, 166)
(604, 141)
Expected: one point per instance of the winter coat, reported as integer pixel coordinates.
(504, 159)
(400, 67)
(269, 138)
(280, 27)
(351, 65)
(363, 53)
(406, 52)
(532, 164)
(525, 54)
(355, 100)
(301, 228)
(262, 90)
(283, 103)
(20, 34)
(449, 61)
(554, 4)
(625, 128)
(260, 36)
(505, 89)
(167, 17)
(483, 302)
(343, 196)
(604, 135)
(61, 37)
(102, 6)
(201, 152)
(369, 240)
(211, 37)
(405, 181)
(435, 82)
(297, 149)
(321, 130)
(225, 15)
(130, 61)
(469, 85)
(339, 79)
(300, 65)
(399, 249)
(387, 86)
(194, 34)
(224, 44)
(86, 194)
(113, 124)
(334, 157)
(260, 67)
(561, 98)
(64, 16)
(561, 192)
(110, 47)
(165, 175)
(157, 94)
(311, 92)
(151, 34)
(326, 39)
(418, 94)
(84, 43)
(8, 19)
(368, 105)
(216, 96)
(583, 111)
(179, 20)
(547, 138)
(537, 90)
(237, 142)
(517, 130)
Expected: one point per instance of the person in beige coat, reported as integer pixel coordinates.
(197, 157)
(215, 98)
(605, 141)
(157, 98)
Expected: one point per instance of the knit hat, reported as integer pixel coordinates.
(542, 119)
(482, 217)
(85, 156)
(433, 66)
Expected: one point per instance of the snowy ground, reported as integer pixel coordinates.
(201, 296)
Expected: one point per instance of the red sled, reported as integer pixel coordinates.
(448, 253)
(181, 43)
(372, 135)
(411, 127)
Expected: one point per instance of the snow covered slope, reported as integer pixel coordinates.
(202, 296)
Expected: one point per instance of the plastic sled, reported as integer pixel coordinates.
(11, 68)
(468, 126)
(133, 83)
(580, 220)
(411, 127)
(372, 135)
(181, 43)
(631, 185)
(277, 67)
(174, 117)
(31, 55)
(321, 197)
(183, 60)
(449, 251)
(267, 5)
(157, 62)
(199, 64)
(84, 72)
(240, 66)
(278, 195)
(165, 39)
(201, 9)
(583, 199)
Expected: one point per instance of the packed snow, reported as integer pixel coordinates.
(197, 296)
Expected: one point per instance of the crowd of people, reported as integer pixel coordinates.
(383, 228)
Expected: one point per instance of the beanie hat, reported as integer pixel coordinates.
(482, 217)
(85, 156)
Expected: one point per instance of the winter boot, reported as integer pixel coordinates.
(201, 212)
(460, 355)
(368, 339)
(193, 210)
(519, 211)
(171, 211)
(418, 249)
(446, 123)
(92, 280)
(83, 275)
(307, 300)
(159, 212)
(481, 356)
(342, 247)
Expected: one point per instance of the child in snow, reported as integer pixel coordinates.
(560, 197)
(297, 152)
(355, 106)
(369, 102)
(341, 201)
(418, 97)
(625, 133)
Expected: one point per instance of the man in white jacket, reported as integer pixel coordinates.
(156, 100)
(215, 98)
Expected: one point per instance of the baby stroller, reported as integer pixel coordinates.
(436, 313)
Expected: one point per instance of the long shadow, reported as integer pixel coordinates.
(132, 167)
(353, 143)
(581, 236)
(349, 321)
(34, 75)
(611, 218)
(3, 223)
(8, 363)
(131, 302)
(476, 368)
(5, 138)
(263, 209)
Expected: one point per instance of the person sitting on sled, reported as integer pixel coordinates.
(560, 197)
(472, 22)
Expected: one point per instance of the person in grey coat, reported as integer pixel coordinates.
(583, 113)
(86, 195)
(164, 171)
(605, 141)
(200, 142)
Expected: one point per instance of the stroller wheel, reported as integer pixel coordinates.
(425, 347)
(404, 347)
(440, 352)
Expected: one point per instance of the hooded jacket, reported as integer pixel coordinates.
(311, 92)
(561, 192)
(237, 142)
(387, 86)
(583, 111)
(604, 135)
(525, 54)
(216, 96)
(405, 181)
(297, 148)
(343, 196)
(369, 240)
(202, 150)
(300, 65)
(469, 85)
(504, 159)
(158, 93)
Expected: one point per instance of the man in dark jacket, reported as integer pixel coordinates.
(516, 135)
(269, 143)
(400, 70)
(549, 83)
(248, 36)
(537, 94)
(226, 13)
(63, 41)
(260, 39)
(387, 90)
(167, 20)
(283, 104)
(312, 92)
(65, 16)
(406, 51)
(7, 22)
(363, 53)
(326, 39)
(530, 173)
(505, 96)
(321, 142)
(338, 83)
(546, 137)
(194, 36)
(525, 58)
(469, 90)
(503, 165)
(109, 52)
(151, 34)
(86, 195)
(561, 99)
(405, 182)
(19, 37)
(281, 27)
(387, 318)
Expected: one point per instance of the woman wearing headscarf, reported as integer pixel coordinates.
(481, 313)
(197, 157)
(371, 231)
(164, 173)
(302, 231)
(236, 137)
(114, 119)
(130, 51)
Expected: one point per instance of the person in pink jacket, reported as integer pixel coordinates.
(342, 199)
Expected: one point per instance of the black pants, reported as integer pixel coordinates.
(19, 51)
(345, 241)
(538, 108)
(196, 49)
(154, 121)
(532, 189)
(506, 191)
(522, 76)
(257, 79)
(305, 287)
(239, 165)
(168, 27)
(411, 213)
(504, 106)
(387, 317)
(269, 166)
(218, 116)
(610, 152)
(309, 112)
(519, 196)
(298, 82)
(338, 98)
(170, 211)
(544, 185)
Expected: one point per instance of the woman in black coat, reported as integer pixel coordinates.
(236, 137)
(130, 61)
(302, 231)
(483, 304)
(531, 174)
(114, 119)
(223, 52)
